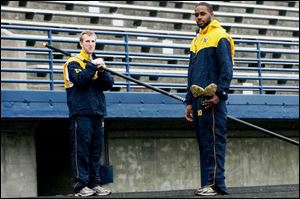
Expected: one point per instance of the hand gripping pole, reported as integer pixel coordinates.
(121, 75)
(178, 97)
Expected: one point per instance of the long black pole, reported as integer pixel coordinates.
(121, 75)
(264, 130)
(179, 98)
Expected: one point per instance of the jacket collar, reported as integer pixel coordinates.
(212, 25)
(85, 55)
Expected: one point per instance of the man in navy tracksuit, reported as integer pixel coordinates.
(85, 83)
(211, 63)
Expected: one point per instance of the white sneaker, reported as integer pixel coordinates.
(206, 191)
(85, 191)
(100, 191)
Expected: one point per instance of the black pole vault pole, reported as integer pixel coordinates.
(264, 130)
(177, 97)
(121, 75)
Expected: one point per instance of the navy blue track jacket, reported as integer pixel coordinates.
(85, 85)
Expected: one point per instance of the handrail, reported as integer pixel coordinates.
(129, 70)
(181, 99)
(131, 59)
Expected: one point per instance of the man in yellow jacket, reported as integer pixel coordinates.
(85, 82)
(209, 77)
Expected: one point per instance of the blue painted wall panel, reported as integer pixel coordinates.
(47, 104)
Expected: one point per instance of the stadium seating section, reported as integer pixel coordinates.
(149, 40)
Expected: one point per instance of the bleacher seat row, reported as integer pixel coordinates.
(178, 23)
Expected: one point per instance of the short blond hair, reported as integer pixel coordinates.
(87, 32)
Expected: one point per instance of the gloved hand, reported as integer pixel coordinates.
(196, 90)
(98, 62)
(210, 90)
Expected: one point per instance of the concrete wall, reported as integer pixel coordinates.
(146, 156)
(168, 159)
(18, 160)
(171, 164)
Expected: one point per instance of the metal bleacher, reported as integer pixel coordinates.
(114, 11)
(265, 63)
(95, 17)
(148, 41)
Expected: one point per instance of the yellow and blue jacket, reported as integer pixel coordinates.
(211, 60)
(85, 84)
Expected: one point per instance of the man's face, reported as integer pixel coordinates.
(88, 43)
(203, 16)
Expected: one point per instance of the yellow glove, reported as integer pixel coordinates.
(210, 90)
(196, 90)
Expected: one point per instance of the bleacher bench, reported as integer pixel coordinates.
(262, 29)
(136, 30)
(114, 7)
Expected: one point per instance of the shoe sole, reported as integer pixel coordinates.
(103, 194)
(206, 194)
(80, 195)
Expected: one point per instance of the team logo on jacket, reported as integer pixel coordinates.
(205, 39)
(77, 70)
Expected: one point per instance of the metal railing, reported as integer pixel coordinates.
(150, 68)
(265, 65)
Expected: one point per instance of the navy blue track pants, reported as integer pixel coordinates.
(211, 132)
(86, 137)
